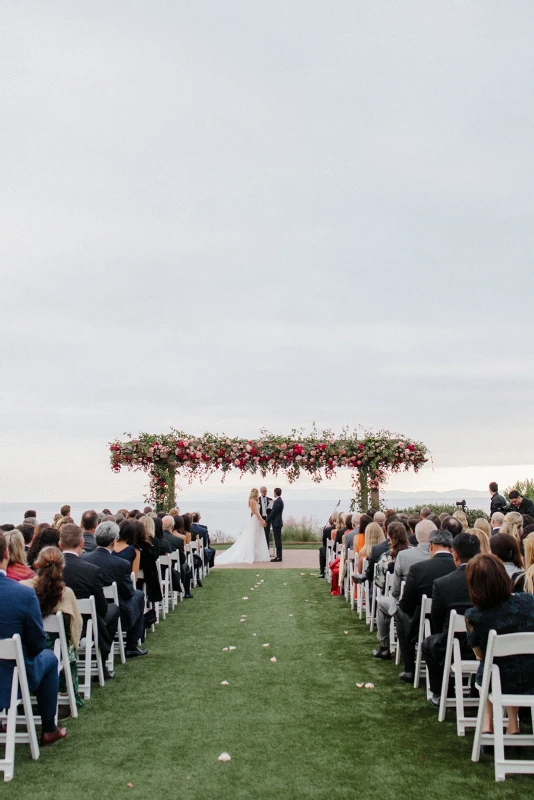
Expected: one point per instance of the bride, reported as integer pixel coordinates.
(251, 545)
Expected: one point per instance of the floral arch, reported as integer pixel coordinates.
(370, 456)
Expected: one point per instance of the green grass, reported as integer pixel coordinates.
(297, 729)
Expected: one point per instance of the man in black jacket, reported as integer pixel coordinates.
(449, 593)
(519, 503)
(118, 570)
(497, 503)
(85, 580)
(277, 523)
(420, 581)
(89, 523)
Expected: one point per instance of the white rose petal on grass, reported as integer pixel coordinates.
(225, 649)
(273, 659)
(302, 574)
(242, 620)
(359, 685)
(369, 686)
(254, 634)
(231, 648)
(346, 633)
(243, 616)
(225, 683)
(291, 615)
(244, 598)
(225, 757)
(285, 584)
(266, 645)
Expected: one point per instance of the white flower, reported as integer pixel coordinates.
(359, 685)
(346, 633)
(231, 648)
(369, 686)
(225, 757)
(225, 683)
(266, 645)
(244, 598)
(273, 659)
(291, 615)
(225, 649)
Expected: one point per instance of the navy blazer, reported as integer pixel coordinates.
(118, 570)
(274, 517)
(20, 613)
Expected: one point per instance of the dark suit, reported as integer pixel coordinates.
(85, 580)
(177, 543)
(20, 613)
(89, 542)
(420, 581)
(277, 523)
(131, 601)
(264, 514)
(449, 593)
(498, 503)
(200, 530)
(526, 507)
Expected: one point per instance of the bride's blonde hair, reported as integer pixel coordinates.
(254, 495)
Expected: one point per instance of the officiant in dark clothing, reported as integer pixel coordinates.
(265, 505)
(277, 523)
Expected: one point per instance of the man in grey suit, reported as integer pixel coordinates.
(387, 606)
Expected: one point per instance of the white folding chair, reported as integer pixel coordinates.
(112, 593)
(55, 623)
(89, 645)
(329, 558)
(191, 550)
(460, 669)
(11, 650)
(175, 561)
(424, 631)
(164, 577)
(374, 597)
(393, 629)
(347, 579)
(510, 644)
(362, 600)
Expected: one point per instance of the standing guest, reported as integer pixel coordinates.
(497, 502)
(127, 544)
(496, 608)
(496, 522)
(20, 613)
(86, 580)
(88, 525)
(462, 519)
(46, 537)
(64, 511)
(506, 548)
(522, 504)
(264, 506)
(420, 581)
(513, 525)
(17, 568)
(449, 593)
(114, 569)
(387, 606)
(53, 596)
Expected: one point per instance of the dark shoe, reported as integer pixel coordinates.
(407, 677)
(189, 596)
(50, 738)
(435, 700)
(199, 584)
(275, 559)
(321, 575)
(382, 652)
(108, 674)
(139, 651)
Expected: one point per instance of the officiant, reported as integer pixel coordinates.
(266, 503)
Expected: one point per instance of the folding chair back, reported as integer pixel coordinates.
(112, 593)
(424, 631)
(55, 623)
(87, 665)
(459, 668)
(11, 650)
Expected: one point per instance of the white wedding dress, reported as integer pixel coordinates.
(249, 547)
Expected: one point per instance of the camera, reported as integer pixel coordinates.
(461, 504)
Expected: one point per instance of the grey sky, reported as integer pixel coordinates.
(229, 215)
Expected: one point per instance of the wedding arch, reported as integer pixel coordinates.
(370, 456)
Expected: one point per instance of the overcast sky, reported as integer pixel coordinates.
(228, 215)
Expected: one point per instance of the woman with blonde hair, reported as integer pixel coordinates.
(482, 538)
(525, 582)
(482, 524)
(17, 567)
(460, 516)
(373, 535)
(513, 525)
(251, 545)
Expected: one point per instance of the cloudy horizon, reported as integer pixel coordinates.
(234, 216)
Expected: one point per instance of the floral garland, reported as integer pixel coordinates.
(318, 454)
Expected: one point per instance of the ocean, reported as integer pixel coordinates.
(226, 516)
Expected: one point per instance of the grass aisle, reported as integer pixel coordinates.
(297, 728)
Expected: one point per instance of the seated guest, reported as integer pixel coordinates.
(202, 532)
(496, 608)
(53, 596)
(412, 524)
(420, 581)
(118, 570)
(436, 520)
(29, 531)
(85, 580)
(31, 514)
(379, 548)
(496, 522)
(449, 593)
(387, 606)
(482, 524)
(6, 527)
(197, 563)
(88, 525)
(407, 558)
(352, 533)
(46, 537)
(484, 540)
(462, 519)
(17, 568)
(20, 613)
(525, 582)
(513, 525)
(64, 511)
(127, 544)
(454, 526)
(506, 548)
(183, 582)
(149, 555)
(373, 535)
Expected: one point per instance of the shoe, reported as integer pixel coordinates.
(199, 584)
(275, 559)
(382, 652)
(321, 575)
(50, 738)
(407, 677)
(189, 596)
(108, 674)
(139, 651)
(435, 700)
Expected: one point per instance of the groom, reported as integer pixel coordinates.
(277, 523)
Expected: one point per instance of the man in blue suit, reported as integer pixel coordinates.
(20, 613)
(200, 530)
